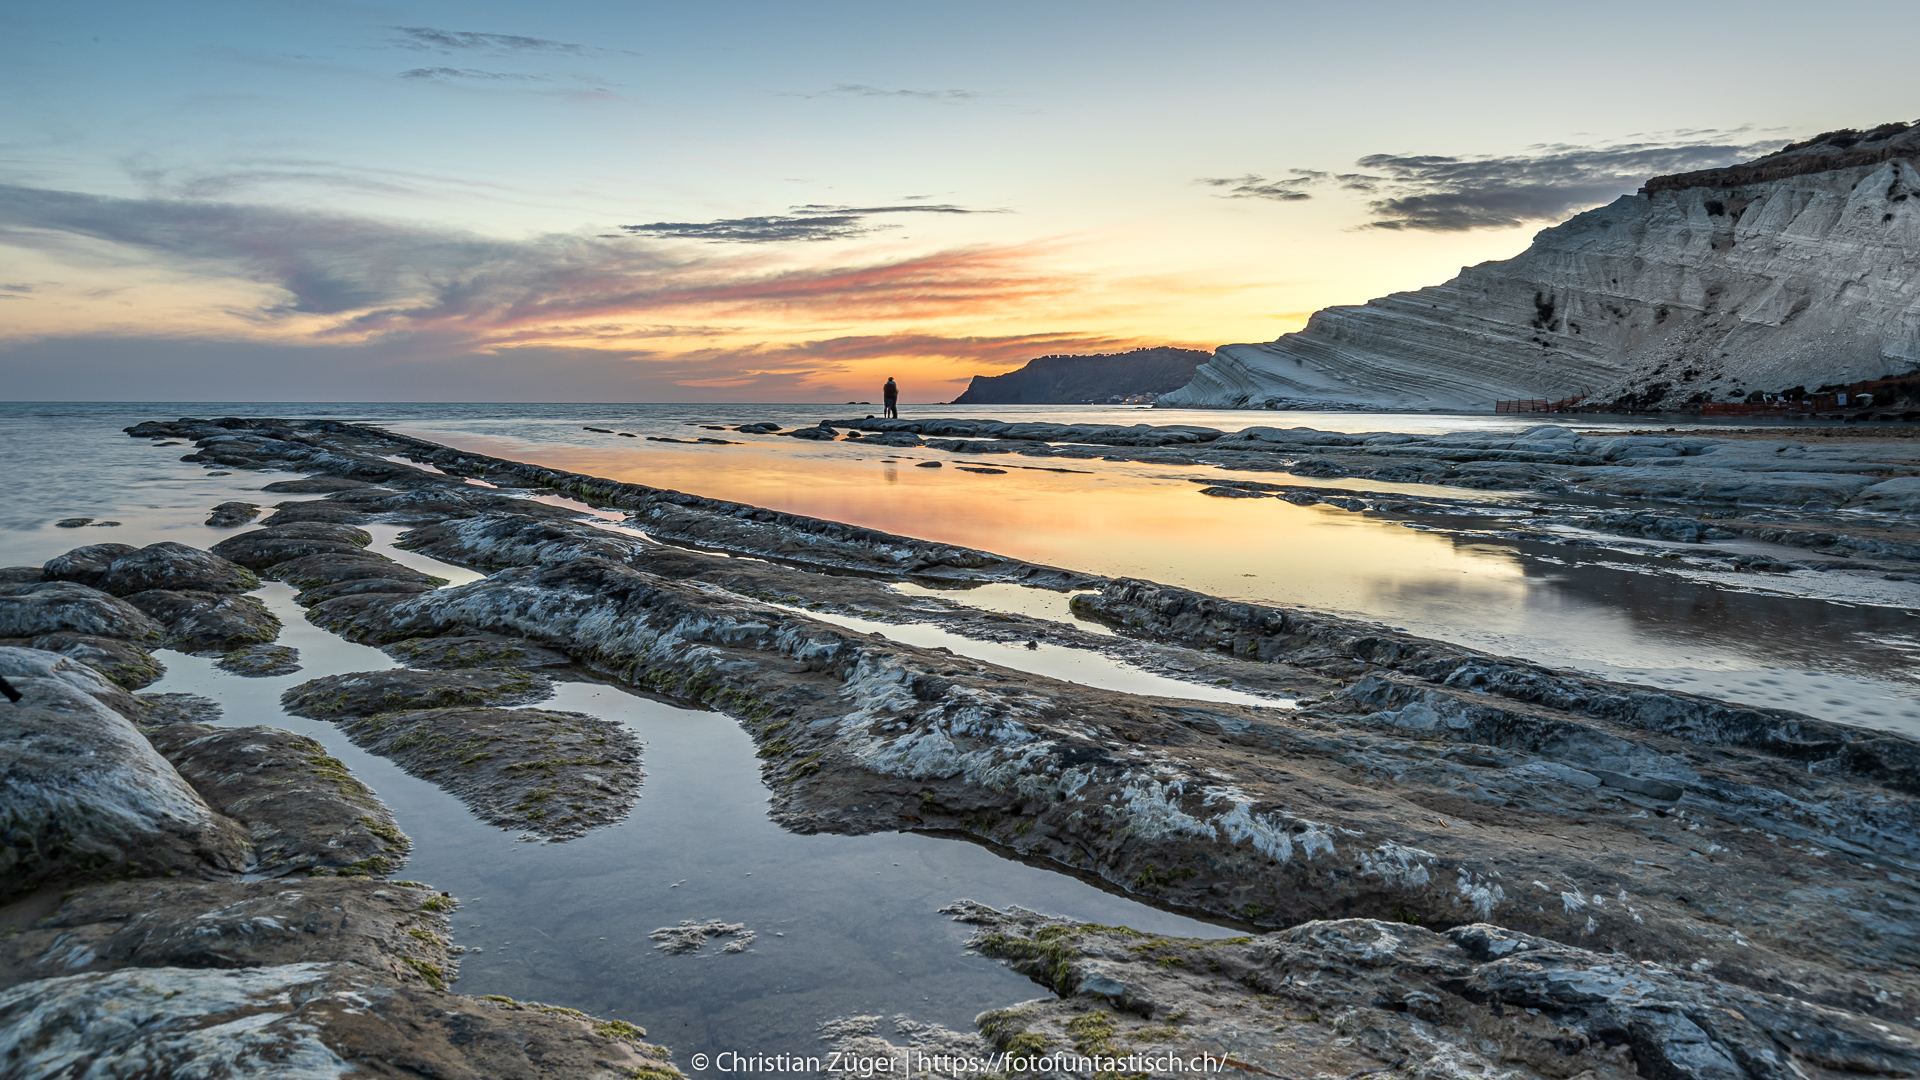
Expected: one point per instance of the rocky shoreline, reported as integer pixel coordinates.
(1419, 798)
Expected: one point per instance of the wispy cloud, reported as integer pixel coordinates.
(443, 73)
(428, 38)
(362, 276)
(862, 90)
(803, 223)
(1252, 186)
(1440, 193)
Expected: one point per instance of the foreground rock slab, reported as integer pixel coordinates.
(1352, 996)
(398, 929)
(300, 1021)
(85, 797)
(302, 809)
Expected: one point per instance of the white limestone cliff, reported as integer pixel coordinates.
(1801, 268)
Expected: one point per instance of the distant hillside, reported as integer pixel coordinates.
(1073, 380)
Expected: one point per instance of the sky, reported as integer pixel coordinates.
(754, 201)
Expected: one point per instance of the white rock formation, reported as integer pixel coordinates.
(1801, 268)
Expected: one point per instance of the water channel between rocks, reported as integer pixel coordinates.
(845, 925)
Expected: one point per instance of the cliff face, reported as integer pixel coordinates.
(1801, 268)
(1070, 380)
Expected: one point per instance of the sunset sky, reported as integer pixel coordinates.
(573, 201)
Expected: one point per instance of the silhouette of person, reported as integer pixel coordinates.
(891, 395)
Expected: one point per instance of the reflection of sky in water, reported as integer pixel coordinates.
(1147, 521)
(1118, 519)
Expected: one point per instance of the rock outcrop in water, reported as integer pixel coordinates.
(1075, 380)
(1799, 269)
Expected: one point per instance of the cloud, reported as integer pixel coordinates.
(444, 73)
(1251, 186)
(1438, 193)
(804, 223)
(428, 38)
(356, 276)
(861, 90)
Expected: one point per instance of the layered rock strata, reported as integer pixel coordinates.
(1794, 270)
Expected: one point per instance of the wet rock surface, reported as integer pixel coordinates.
(1351, 996)
(261, 661)
(122, 661)
(170, 566)
(234, 924)
(208, 622)
(85, 797)
(277, 543)
(473, 651)
(231, 515)
(309, 1019)
(30, 610)
(302, 810)
(554, 774)
(86, 565)
(364, 693)
(689, 936)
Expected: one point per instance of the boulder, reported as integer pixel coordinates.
(261, 661)
(262, 548)
(54, 606)
(303, 811)
(205, 622)
(230, 515)
(122, 661)
(178, 567)
(310, 572)
(85, 797)
(86, 565)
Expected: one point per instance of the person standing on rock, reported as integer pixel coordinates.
(891, 395)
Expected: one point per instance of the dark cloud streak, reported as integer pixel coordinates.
(444, 73)
(862, 90)
(1440, 193)
(428, 38)
(1252, 186)
(805, 223)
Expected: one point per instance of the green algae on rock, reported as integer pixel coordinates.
(554, 774)
(363, 693)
